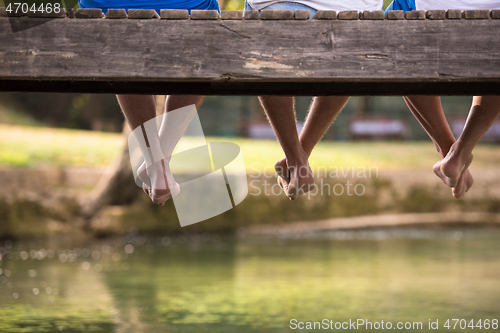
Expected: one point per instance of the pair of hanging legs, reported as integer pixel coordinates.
(140, 111)
(453, 168)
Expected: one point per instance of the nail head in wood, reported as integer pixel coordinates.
(116, 14)
(495, 14)
(174, 14)
(395, 15)
(348, 15)
(231, 14)
(454, 14)
(197, 14)
(89, 13)
(251, 14)
(142, 14)
(415, 15)
(276, 14)
(483, 14)
(375, 15)
(436, 14)
(301, 14)
(325, 15)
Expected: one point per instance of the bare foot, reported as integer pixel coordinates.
(158, 182)
(295, 180)
(450, 168)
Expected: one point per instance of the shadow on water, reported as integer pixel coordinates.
(206, 283)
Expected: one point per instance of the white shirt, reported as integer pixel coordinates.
(457, 4)
(337, 5)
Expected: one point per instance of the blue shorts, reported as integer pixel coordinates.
(285, 5)
(150, 4)
(406, 5)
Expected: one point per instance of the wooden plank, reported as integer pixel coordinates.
(454, 14)
(142, 14)
(325, 15)
(375, 15)
(116, 14)
(248, 57)
(395, 15)
(197, 14)
(301, 14)
(251, 15)
(415, 15)
(477, 14)
(348, 15)
(436, 14)
(174, 14)
(87, 13)
(231, 14)
(276, 14)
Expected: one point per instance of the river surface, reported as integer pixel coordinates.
(208, 283)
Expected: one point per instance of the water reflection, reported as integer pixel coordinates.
(211, 284)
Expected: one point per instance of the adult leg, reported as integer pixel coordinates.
(429, 113)
(484, 111)
(322, 113)
(280, 111)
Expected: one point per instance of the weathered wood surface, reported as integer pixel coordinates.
(340, 54)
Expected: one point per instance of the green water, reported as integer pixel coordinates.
(222, 284)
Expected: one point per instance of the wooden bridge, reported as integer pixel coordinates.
(279, 53)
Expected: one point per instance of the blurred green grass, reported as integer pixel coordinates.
(25, 146)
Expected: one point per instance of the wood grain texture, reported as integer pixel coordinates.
(142, 14)
(251, 15)
(477, 14)
(348, 15)
(197, 14)
(276, 14)
(301, 14)
(231, 14)
(89, 13)
(325, 15)
(116, 14)
(375, 15)
(415, 15)
(395, 15)
(436, 14)
(248, 57)
(454, 14)
(174, 14)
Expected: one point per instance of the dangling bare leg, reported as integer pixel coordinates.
(322, 113)
(429, 113)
